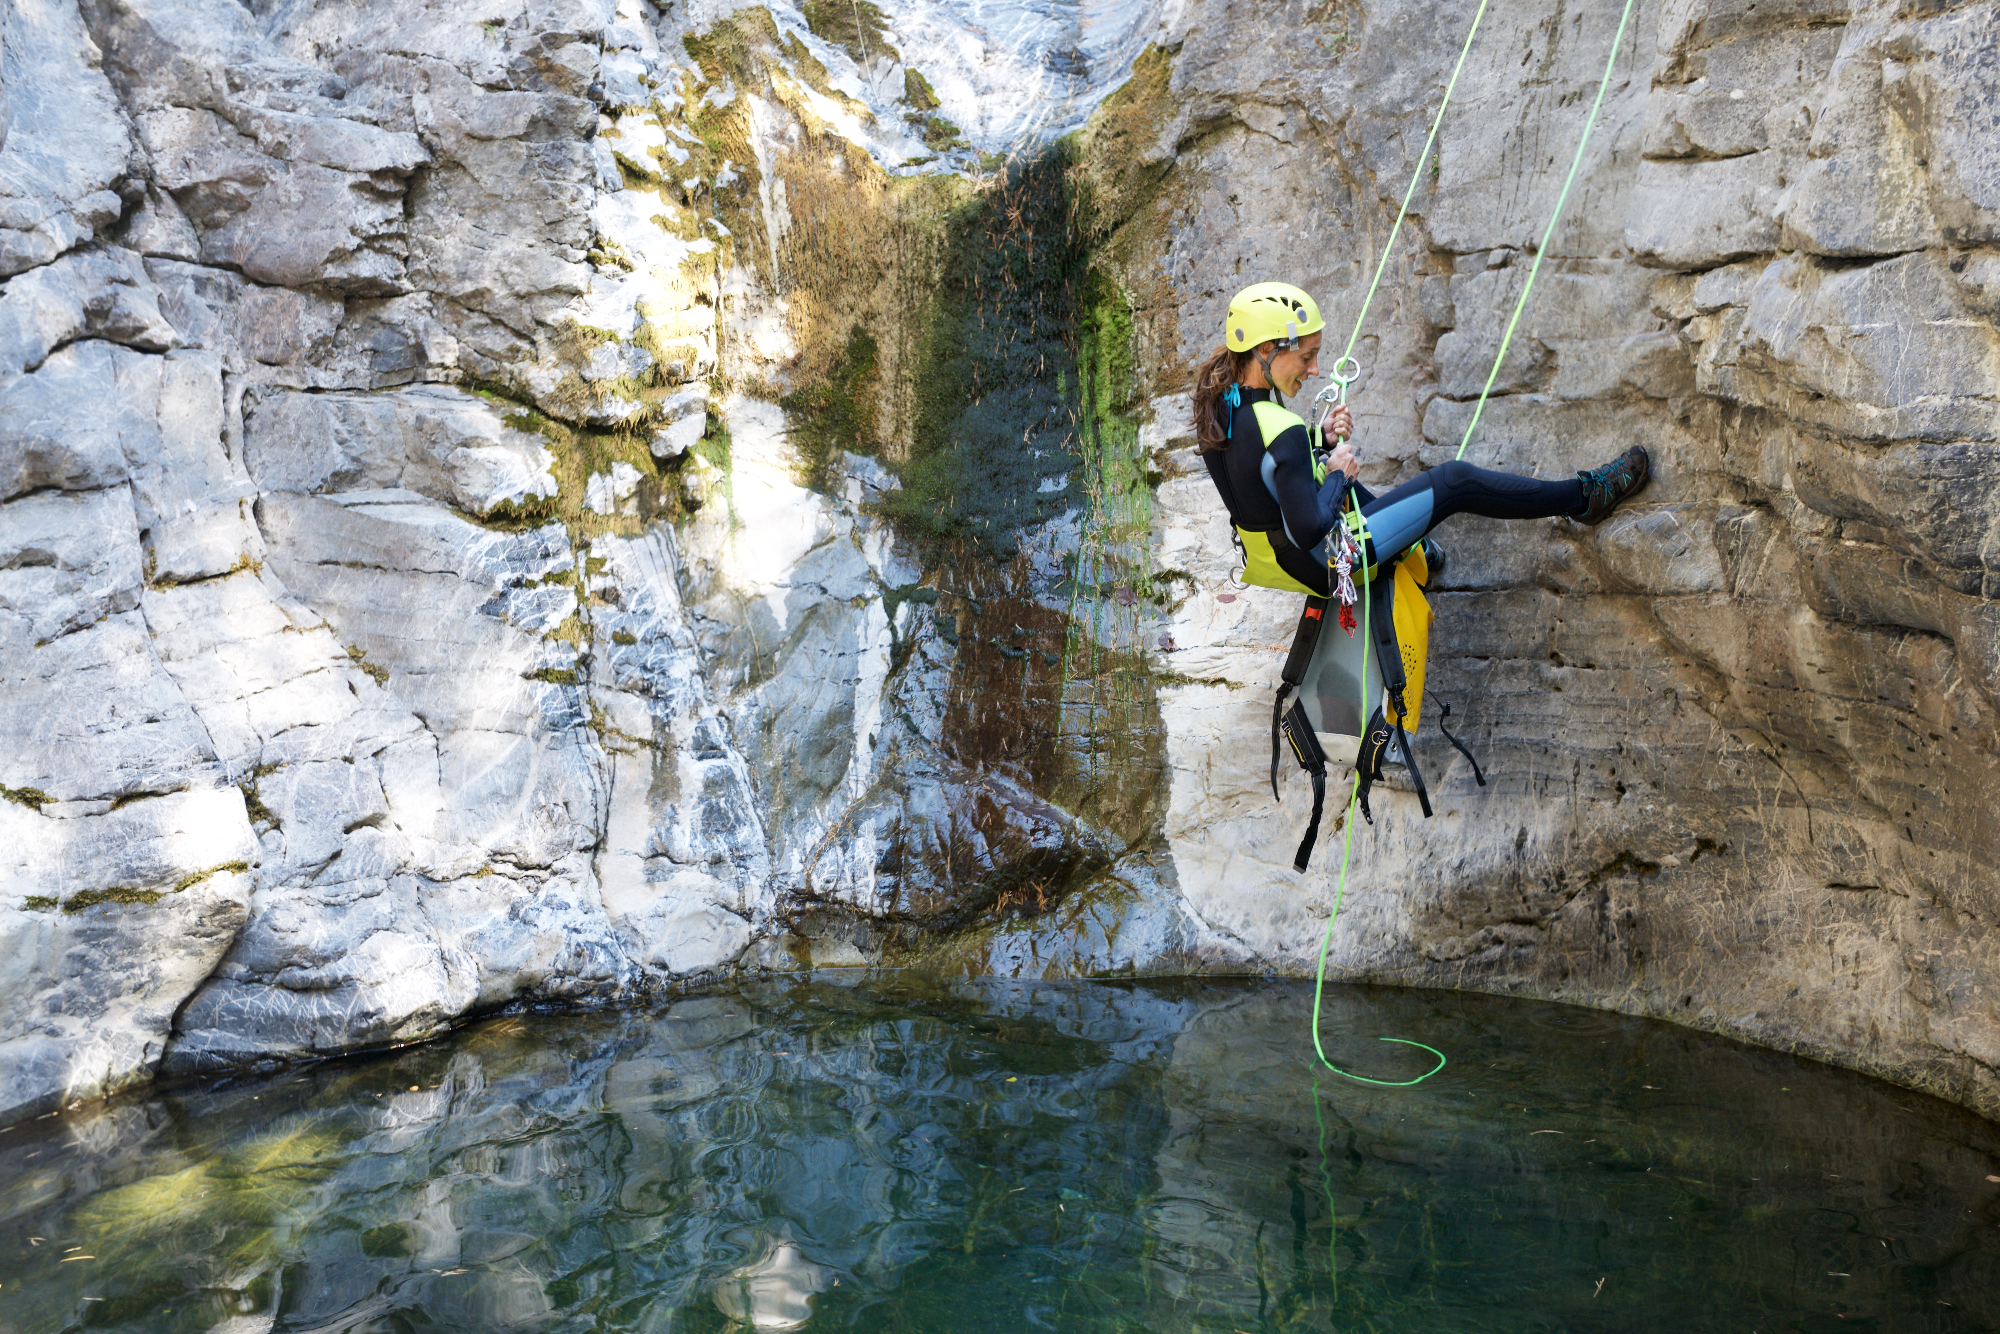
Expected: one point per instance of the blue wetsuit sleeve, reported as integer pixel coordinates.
(1310, 508)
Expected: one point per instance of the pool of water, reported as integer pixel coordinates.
(893, 1153)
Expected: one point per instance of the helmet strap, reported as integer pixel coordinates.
(1270, 380)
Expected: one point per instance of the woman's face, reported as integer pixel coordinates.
(1292, 368)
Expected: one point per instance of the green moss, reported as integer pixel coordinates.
(624, 637)
(837, 413)
(1123, 168)
(939, 135)
(609, 254)
(1181, 679)
(573, 631)
(574, 398)
(125, 894)
(254, 807)
(554, 676)
(576, 452)
(917, 91)
(894, 598)
(91, 898)
(38, 903)
(515, 516)
(243, 565)
(31, 797)
(714, 445)
(809, 67)
(380, 675)
(856, 26)
(1114, 470)
(199, 877)
(727, 49)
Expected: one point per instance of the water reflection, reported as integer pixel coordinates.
(896, 1154)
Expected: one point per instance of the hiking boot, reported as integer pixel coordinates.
(1433, 561)
(1606, 487)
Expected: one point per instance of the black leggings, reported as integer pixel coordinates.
(1400, 519)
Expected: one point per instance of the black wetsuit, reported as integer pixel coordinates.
(1304, 510)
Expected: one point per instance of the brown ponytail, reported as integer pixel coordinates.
(1211, 380)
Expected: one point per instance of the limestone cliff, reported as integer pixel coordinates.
(551, 501)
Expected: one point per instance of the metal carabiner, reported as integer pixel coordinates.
(1335, 394)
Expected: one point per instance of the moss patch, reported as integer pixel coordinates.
(91, 898)
(576, 454)
(201, 877)
(939, 135)
(380, 675)
(855, 26)
(254, 807)
(917, 91)
(837, 412)
(31, 797)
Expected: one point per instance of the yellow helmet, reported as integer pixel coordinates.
(1265, 311)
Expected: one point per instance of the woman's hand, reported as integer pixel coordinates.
(1343, 459)
(1340, 425)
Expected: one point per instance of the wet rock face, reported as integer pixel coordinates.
(1738, 739)
(388, 630)
(487, 512)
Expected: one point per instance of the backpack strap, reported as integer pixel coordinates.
(1444, 712)
(1299, 731)
(1416, 775)
(1389, 656)
(1304, 640)
(1388, 653)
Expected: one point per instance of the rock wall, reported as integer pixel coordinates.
(552, 502)
(1738, 739)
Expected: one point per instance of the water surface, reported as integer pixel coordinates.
(888, 1153)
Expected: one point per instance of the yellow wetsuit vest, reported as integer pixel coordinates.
(1260, 560)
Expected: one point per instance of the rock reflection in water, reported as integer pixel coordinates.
(887, 1153)
(774, 1293)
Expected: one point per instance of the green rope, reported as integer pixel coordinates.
(1319, 983)
(1415, 177)
(1367, 604)
(1346, 851)
(1610, 64)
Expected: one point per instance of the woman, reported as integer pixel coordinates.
(1284, 501)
